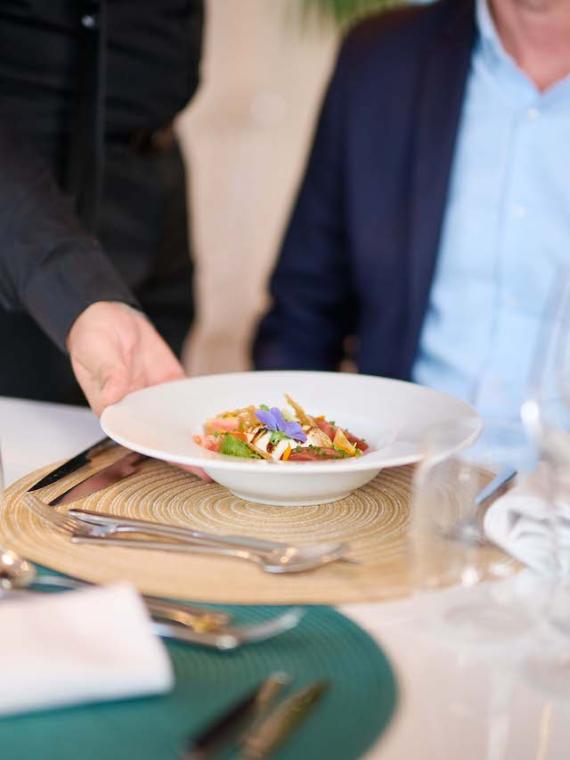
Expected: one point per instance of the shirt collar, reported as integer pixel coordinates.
(501, 63)
(488, 31)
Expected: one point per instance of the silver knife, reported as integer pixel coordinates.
(270, 732)
(108, 476)
(75, 463)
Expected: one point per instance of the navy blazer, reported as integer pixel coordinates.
(359, 253)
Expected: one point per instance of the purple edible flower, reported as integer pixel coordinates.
(274, 420)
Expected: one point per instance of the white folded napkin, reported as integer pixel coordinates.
(521, 523)
(78, 646)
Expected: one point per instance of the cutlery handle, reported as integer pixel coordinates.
(196, 617)
(220, 734)
(174, 531)
(181, 548)
(500, 480)
(275, 728)
(221, 641)
(202, 621)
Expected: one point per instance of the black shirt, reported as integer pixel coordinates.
(50, 56)
(152, 61)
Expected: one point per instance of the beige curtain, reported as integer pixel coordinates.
(246, 136)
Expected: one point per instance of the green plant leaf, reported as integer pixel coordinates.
(276, 437)
(233, 447)
(345, 11)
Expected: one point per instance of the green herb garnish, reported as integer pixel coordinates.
(276, 437)
(233, 447)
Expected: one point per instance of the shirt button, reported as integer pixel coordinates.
(519, 211)
(532, 114)
(88, 21)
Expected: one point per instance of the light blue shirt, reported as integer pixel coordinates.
(506, 232)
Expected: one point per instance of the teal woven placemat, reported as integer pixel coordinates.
(326, 644)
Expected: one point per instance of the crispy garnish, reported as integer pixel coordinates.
(302, 415)
(342, 443)
(319, 438)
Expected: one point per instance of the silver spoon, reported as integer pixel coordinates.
(16, 573)
(293, 559)
(470, 529)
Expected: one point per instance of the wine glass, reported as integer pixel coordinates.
(546, 415)
(449, 547)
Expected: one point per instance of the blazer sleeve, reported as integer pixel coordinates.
(312, 305)
(49, 266)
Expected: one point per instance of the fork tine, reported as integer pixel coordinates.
(51, 515)
(269, 628)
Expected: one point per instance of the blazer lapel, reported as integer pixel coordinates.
(439, 110)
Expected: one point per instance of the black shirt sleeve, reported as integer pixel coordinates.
(49, 266)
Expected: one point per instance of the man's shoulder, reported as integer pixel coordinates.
(401, 33)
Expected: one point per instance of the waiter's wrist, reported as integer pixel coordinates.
(99, 314)
(72, 279)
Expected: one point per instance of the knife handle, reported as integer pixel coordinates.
(272, 730)
(224, 729)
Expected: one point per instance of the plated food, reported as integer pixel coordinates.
(390, 416)
(279, 435)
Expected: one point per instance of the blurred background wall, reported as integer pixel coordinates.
(246, 136)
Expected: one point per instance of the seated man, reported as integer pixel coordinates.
(435, 209)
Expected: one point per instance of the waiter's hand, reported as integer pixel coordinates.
(114, 350)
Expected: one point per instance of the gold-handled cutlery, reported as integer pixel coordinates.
(271, 731)
(232, 637)
(175, 621)
(255, 726)
(16, 573)
(223, 731)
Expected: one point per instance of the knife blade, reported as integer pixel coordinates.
(108, 476)
(75, 463)
(223, 730)
(270, 732)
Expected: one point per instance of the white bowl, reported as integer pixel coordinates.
(391, 415)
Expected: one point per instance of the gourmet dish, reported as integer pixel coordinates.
(279, 435)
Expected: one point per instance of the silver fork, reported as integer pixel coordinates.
(289, 559)
(118, 524)
(232, 637)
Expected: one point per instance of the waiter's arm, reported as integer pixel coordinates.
(51, 268)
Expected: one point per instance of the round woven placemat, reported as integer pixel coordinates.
(326, 645)
(373, 520)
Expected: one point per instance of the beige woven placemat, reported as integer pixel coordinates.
(373, 520)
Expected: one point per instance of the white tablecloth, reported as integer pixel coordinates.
(453, 705)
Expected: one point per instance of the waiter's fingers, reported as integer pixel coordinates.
(115, 350)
